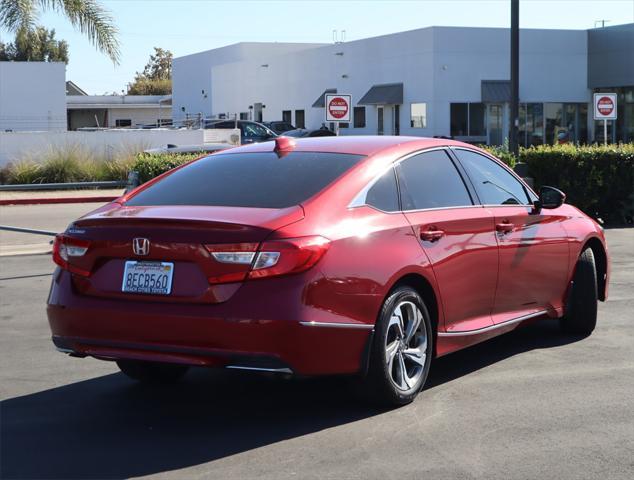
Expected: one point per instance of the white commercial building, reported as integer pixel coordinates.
(436, 81)
(118, 111)
(32, 96)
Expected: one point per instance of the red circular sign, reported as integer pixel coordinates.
(338, 107)
(605, 105)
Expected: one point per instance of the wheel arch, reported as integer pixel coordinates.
(425, 289)
(601, 263)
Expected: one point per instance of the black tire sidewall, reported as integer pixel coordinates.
(581, 306)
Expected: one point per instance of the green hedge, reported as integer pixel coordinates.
(597, 179)
(150, 166)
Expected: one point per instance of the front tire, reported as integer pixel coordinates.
(581, 310)
(401, 349)
(152, 372)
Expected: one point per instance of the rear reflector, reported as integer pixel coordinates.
(274, 258)
(66, 248)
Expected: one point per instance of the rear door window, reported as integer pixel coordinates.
(494, 184)
(383, 195)
(431, 180)
(261, 180)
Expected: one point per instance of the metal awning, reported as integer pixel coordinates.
(386, 94)
(496, 90)
(321, 100)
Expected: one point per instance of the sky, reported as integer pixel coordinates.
(190, 26)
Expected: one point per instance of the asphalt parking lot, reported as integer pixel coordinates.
(531, 404)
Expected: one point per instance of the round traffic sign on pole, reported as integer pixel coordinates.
(605, 106)
(338, 108)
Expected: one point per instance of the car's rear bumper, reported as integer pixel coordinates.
(231, 334)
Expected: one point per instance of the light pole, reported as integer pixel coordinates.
(515, 76)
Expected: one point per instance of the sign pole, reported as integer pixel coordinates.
(337, 128)
(605, 132)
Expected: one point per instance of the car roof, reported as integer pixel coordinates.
(359, 145)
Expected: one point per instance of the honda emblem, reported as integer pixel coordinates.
(141, 246)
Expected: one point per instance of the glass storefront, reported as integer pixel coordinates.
(553, 123)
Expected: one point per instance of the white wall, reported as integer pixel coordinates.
(16, 145)
(139, 116)
(32, 96)
(192, 77)
(294, 81)
(437, 66)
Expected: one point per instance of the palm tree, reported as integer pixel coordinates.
(87, 16)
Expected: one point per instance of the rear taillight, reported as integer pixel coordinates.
(273, 258)
(65, 249)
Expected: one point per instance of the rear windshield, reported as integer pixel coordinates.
(261, 180)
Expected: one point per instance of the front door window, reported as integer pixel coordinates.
(379, 120)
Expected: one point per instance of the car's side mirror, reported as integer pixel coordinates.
(551, 197)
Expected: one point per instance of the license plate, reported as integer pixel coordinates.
(147, 277)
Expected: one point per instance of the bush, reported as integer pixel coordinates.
(74, 163)
(22, 172)
(150, 166)
(597, 179)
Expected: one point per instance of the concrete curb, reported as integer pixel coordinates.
(39, 201)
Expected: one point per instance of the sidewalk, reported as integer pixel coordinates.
(59, 196)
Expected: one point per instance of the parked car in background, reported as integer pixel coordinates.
(279, 127)
(171, 148)
(250, 132)
(367, 256)
(301, 133)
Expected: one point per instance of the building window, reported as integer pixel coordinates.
(244, 115)
(477, 120)
(344, 125)
(359, 117)
(286, 116)
(123, 122)
(300, 121)
(531, 124)
(163, 121)
(418, 117)
(468, 120)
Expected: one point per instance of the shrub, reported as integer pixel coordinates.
(22, 172)
(597, 179)
(150, 166)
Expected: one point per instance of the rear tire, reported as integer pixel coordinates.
(581, 309)
(152, 372)
(401, 349)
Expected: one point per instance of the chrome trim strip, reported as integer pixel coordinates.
(257, 369)
(359, 326)
(493, 327)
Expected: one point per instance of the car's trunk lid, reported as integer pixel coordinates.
(175, 236)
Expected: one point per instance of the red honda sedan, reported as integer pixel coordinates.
(341, 255)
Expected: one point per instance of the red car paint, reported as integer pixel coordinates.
(485, 269)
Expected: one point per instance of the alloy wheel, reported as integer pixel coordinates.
(406, 345)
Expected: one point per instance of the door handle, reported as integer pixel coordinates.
(504, 226)
(432, 234)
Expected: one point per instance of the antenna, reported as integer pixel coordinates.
(343, 36)
(334, 36)
(602, 22)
